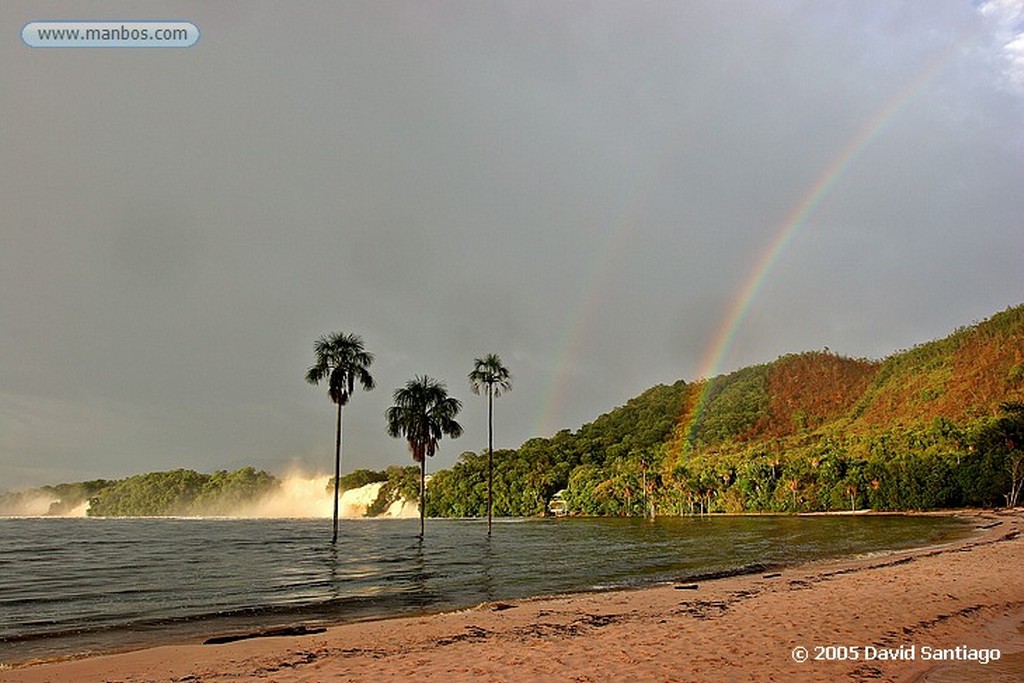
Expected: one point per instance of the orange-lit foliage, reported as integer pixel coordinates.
(966, 375)
(809, 389)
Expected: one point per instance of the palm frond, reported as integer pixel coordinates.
(315, 374)
(489, 372)
(423, 413)
(341, 359)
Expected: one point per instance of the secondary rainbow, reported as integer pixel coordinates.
(596, 278)
(721, 342)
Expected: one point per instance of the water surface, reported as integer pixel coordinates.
(82, 585)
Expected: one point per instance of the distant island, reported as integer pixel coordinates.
(940, 425)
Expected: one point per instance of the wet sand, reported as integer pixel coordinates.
(964, 599)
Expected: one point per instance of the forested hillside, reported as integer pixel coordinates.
(963, 377)
(938, 425)
(176, 492)
(182, 492)
(526, 478)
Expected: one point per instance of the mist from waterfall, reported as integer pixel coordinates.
(311, 496)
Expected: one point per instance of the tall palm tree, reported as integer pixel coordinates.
(488, 373)
(423, 412)
(341, 360)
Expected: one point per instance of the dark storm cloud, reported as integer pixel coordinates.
(582, 188)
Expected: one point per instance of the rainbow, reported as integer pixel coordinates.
(725, 332)
(578, 325)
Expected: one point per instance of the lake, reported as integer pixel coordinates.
(86, 585)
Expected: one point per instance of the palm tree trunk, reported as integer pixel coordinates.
(490, 455)
(337, 473)
(423, 490)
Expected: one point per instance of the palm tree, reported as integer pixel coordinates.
(341, 360)
(489, 373)
(423, 412)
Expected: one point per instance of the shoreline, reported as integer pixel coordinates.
(965, 593)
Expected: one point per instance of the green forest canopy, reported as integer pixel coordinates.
(939, 425)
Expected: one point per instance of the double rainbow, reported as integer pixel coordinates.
(578, 325)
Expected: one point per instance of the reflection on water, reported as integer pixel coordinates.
(71, 585)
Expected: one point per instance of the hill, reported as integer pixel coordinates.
(937, 425)
(965, 376)
(933, 426)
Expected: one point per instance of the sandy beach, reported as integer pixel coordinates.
(930, 614)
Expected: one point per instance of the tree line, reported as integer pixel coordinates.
(943, 465)
(182, 492)
(935, 426)
(940, 425)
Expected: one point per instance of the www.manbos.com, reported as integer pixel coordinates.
(110, 34)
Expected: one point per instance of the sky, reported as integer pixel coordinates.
(609, 195)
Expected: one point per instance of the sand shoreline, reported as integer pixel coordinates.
(965, 594)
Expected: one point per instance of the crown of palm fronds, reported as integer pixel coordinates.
(341, 360)
(489, 372)
(423, 412)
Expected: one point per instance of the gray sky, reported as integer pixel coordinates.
(581, 187)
